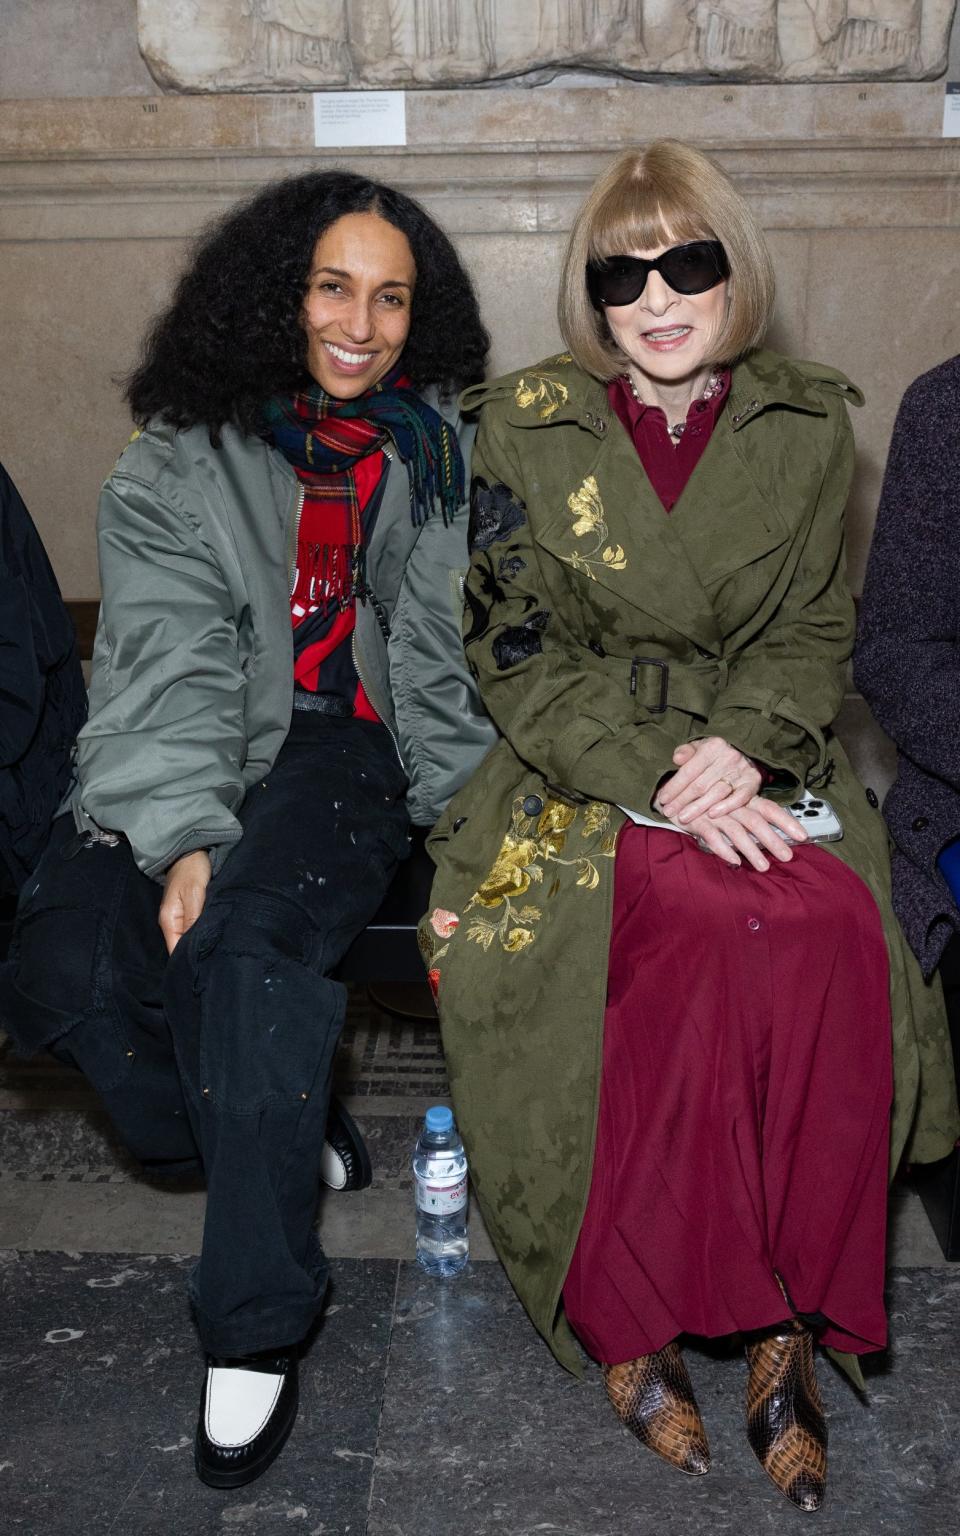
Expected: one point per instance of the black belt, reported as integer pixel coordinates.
(659, 685)
(321, 703)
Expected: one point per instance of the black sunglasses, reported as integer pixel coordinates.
(690, 268)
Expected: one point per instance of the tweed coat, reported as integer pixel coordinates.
(907, 659)
(603, 633)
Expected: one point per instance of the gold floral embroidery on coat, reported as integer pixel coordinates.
(589, 521)
(543, 390)
(531, 844)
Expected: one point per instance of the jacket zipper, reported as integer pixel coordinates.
(292, 571)
(371, 695)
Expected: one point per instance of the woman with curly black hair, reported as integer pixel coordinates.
(278, 691)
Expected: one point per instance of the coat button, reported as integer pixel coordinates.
(532, 805)
(753, 923)
(921, 824)
(872, 798)
(460, 822)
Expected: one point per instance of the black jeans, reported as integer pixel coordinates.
(221, 1056)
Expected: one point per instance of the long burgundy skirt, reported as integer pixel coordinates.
(744, 1106)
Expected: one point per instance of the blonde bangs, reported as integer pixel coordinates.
(640, 217)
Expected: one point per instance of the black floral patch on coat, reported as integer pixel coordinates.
(510, 566)
(495, 513)
(520, 641)
(487, 588)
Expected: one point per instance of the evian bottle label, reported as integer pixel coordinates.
(441, 1197)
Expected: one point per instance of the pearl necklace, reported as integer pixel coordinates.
(713, 388)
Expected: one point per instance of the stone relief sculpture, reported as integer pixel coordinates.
(296, 39)
(316, 44)
(738, 35)
(876, 29)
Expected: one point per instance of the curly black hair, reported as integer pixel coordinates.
(232, 335)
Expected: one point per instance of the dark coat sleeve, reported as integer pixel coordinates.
(42, 693)
(21, 688)
(21, 684)
(907, 662)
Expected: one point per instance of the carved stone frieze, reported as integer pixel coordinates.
(256, 45)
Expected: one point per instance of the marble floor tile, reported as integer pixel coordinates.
(62, 1139)
(429, 1408)
(80, 1190)
(130, 1215)
(99, 1390)
(478, 1417)
(381, 1224)
(910, 1237)
(134, 1217)
(19, 1213)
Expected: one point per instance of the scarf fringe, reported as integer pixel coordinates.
(336, 576)
(323, 436)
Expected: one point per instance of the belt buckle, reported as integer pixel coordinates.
(656, 661)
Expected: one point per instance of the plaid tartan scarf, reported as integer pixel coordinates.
(323, 437)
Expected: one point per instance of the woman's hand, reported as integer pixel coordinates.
(184, 895)
(750, 833)
(712, 777)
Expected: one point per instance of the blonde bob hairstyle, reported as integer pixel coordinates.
(663, 195)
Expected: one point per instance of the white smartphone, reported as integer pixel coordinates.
(817, 817)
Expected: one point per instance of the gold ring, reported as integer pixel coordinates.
(728, 784)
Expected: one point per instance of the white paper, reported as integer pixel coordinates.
(640, 820)
(370, 118)
(951, 110)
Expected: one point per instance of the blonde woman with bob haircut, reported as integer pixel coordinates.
(675, 1003)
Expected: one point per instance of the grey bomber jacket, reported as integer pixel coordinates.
(192, 685)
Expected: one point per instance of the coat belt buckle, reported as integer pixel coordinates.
(652, 661)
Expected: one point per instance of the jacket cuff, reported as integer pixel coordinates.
(192, 842)
(781, 748)
(618, 766)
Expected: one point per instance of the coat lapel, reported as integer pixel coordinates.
(725, 517)
(745, 496)
(612, 529)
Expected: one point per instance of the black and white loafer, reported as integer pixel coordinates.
(247, 1409)
(345, 1162)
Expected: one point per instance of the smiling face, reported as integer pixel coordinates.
(356, 310)
(668, 337)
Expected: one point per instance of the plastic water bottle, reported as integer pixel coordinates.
(440, 1174)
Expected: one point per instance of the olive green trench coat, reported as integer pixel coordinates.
(603, 633)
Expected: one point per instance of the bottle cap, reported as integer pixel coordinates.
(439, 1120)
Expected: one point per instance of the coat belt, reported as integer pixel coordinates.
(658, 684)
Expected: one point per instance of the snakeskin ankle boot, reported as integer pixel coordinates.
(653, 1397)
(785, 1423)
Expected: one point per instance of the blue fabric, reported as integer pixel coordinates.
(948, 863)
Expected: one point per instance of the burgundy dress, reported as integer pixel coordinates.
(747, 1078)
